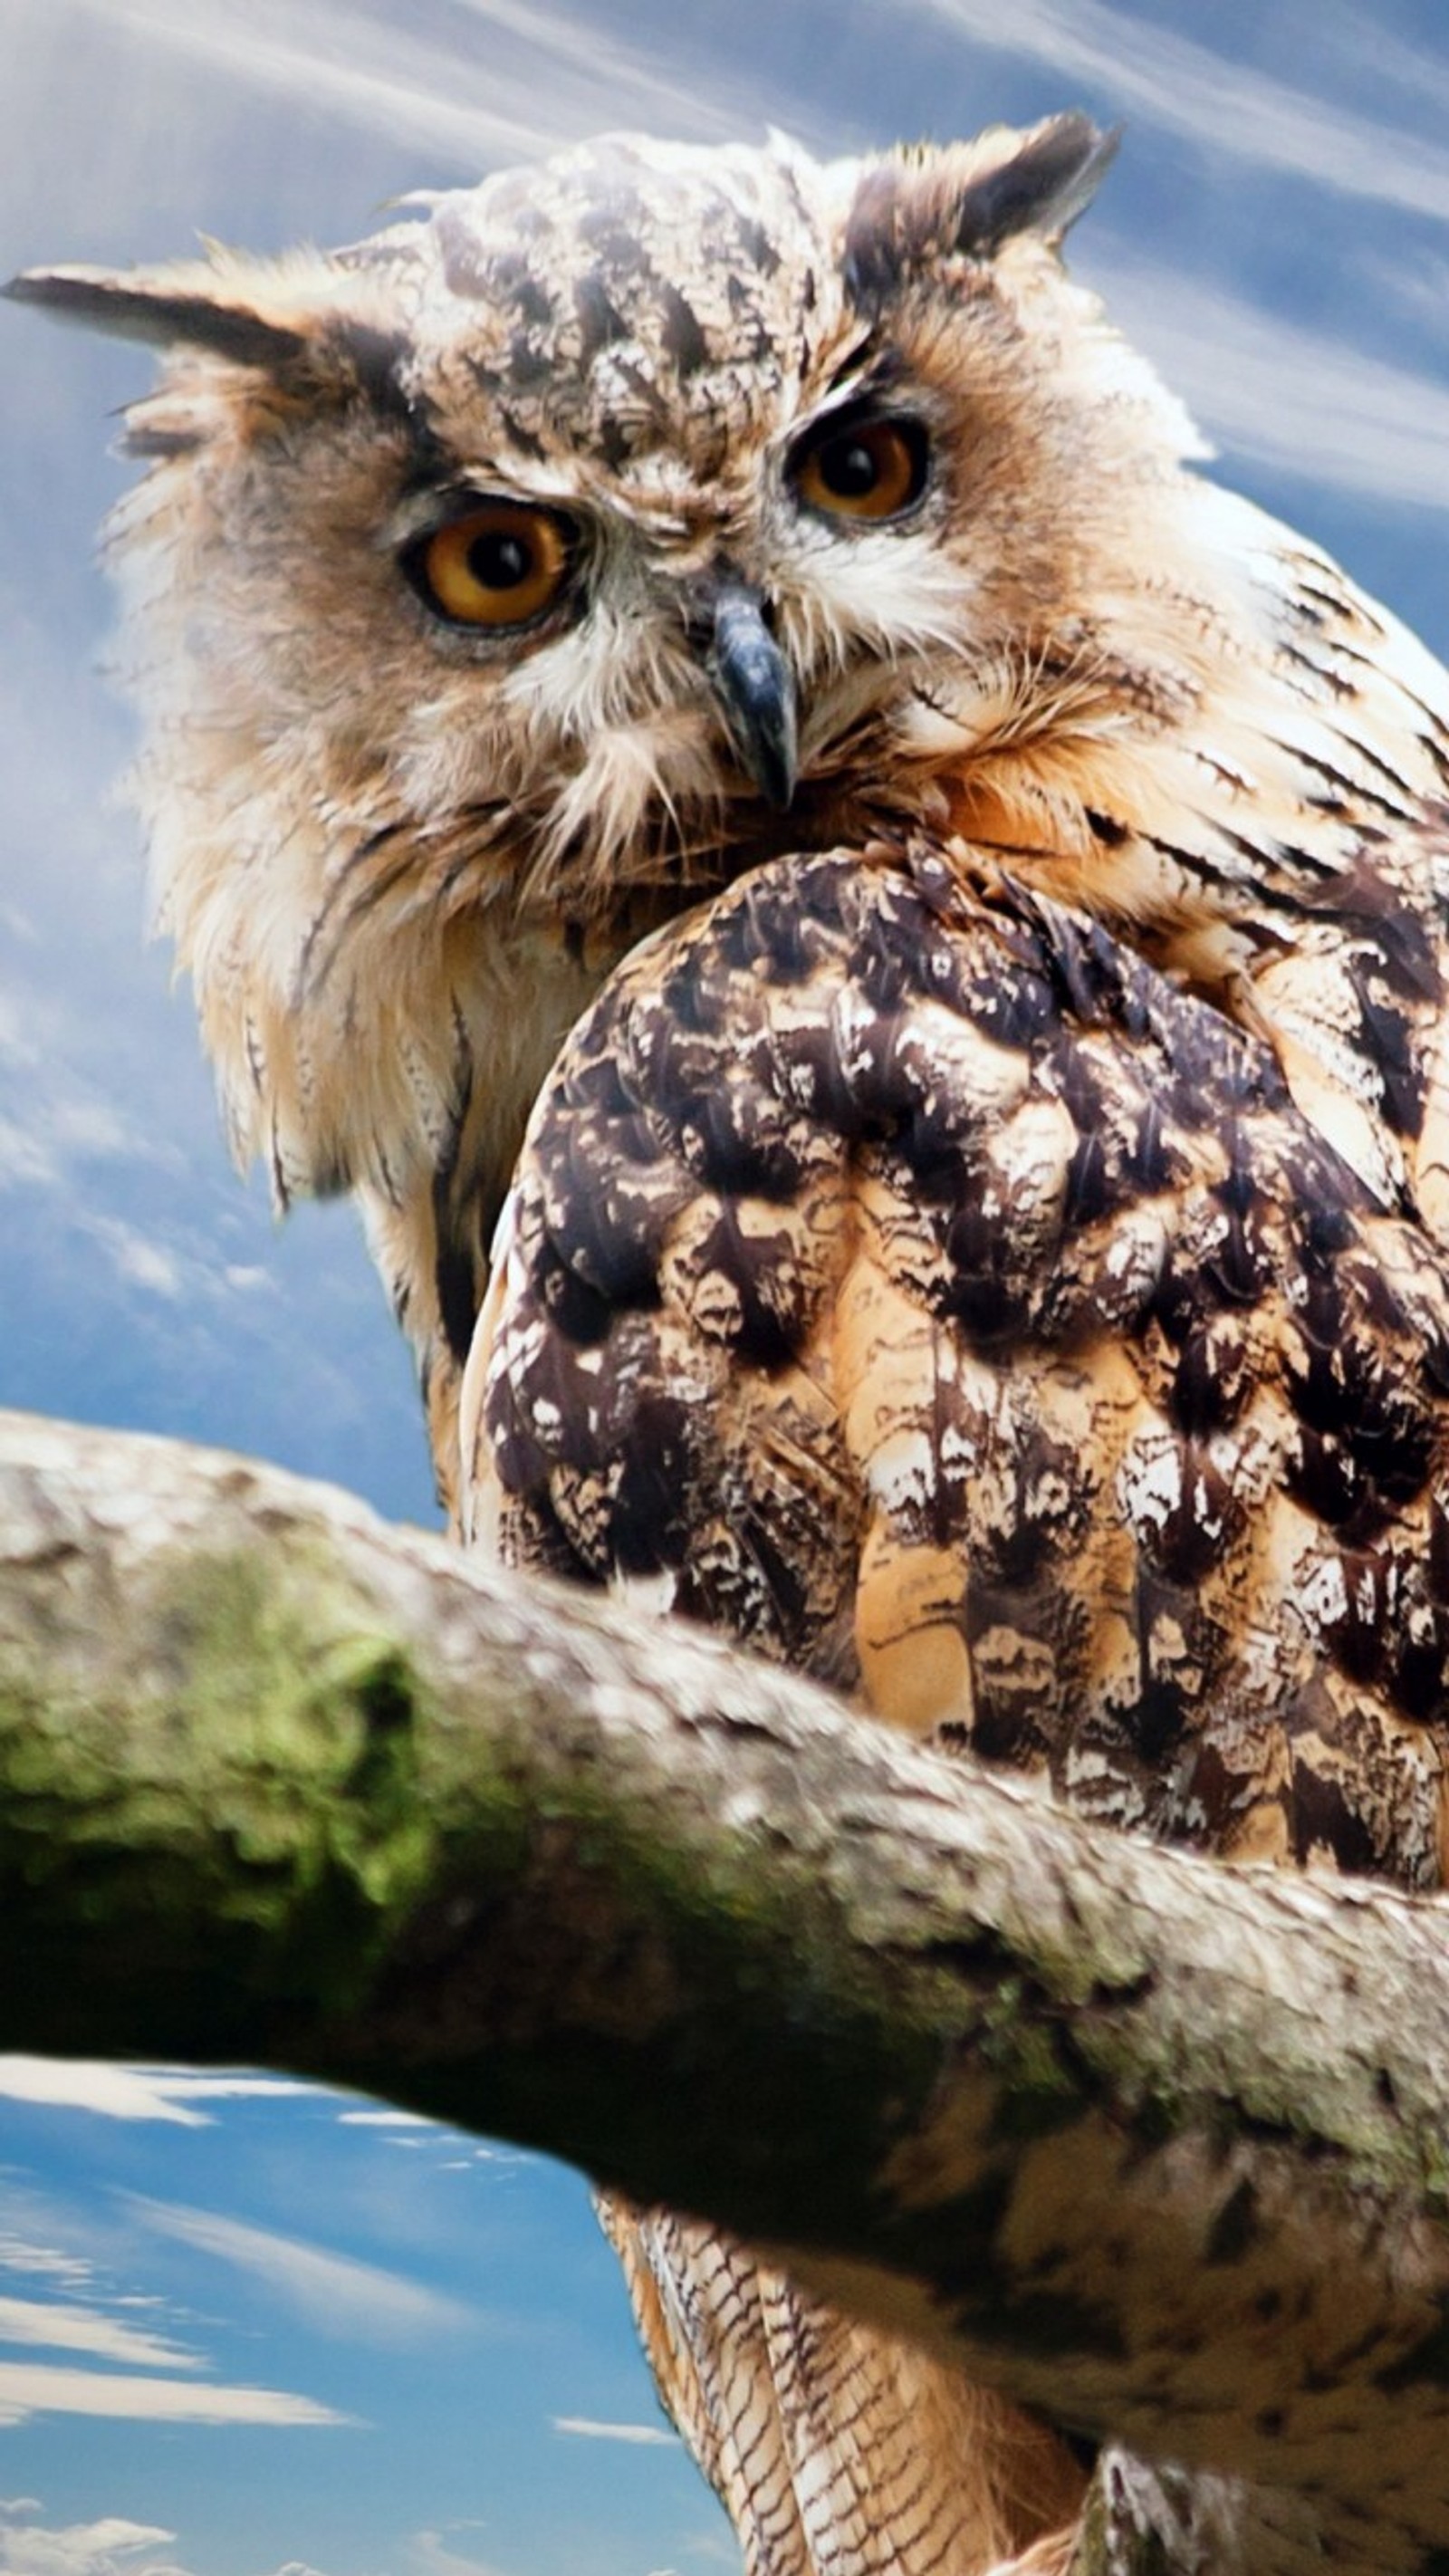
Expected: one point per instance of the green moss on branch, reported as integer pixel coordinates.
(277, 1784)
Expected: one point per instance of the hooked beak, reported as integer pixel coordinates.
(753, 685)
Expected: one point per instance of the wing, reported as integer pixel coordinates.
(904, 1276)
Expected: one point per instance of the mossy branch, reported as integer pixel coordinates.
(1156, 2147)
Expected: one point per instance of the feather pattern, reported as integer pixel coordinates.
(984, 1238)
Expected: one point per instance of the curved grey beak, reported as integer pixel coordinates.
(754, 686)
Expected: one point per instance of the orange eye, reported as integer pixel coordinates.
(498, 564)
(863, 469)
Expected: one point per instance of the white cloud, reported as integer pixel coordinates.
(429, 2555)
(16, 1046)
(136, 2092)
(61, 1124)
(137, 1258)
(552, 76)
(88, 2330)
(409, 2130)
(1238, 108)
(1293, 398)
(175, 2084)
(112, 2546)
(383, 2118)
(24, 1161)
(43, 2262)
(1418, 286)
(91, 1130)
(335, 2293)
(81, 2084)
(590, 2431)
(44, 2388)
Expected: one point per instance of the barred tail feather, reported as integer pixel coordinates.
(835, 2449)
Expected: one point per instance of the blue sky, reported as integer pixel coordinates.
(247, 2326)
(250, 2330)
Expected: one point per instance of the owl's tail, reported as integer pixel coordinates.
(835, 2449)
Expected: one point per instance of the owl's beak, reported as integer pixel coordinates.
(753, 684)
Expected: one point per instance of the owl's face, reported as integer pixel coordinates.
(506, 579)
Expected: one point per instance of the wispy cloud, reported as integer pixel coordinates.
(1188, 88)
(588, 2430)
(335, 2294)
(382, 2118)
(89, 2330)
(17, 1046)
(177, 2085)
(44, 2388)
(23, 1157)
(409, 2130)
(112, 2546)
(552, 77)
(141, 2375)
(497, 80)
(137, 1258)
(44, 2262)
(1418, 287)
(1293, 398)
(429, 2555)
(81, 2084)
(135, 2092)
(58, 1127)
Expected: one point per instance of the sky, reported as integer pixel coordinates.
(251, 2329)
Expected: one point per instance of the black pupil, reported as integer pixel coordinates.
(499, 559)
(850, 467)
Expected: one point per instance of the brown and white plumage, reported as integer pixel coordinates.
(835, 2447)
(986, 1244)
(924, 1288)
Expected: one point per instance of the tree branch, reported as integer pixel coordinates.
(1153, 2145)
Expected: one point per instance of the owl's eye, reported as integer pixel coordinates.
(502, 563)
(862, 469)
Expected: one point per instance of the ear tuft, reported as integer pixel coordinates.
(1041, 189)
(159, 310)
(966, 200)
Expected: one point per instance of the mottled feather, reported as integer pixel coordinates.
(985, 1245)
(947, 1303)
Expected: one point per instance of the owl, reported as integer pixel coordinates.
(872, 948)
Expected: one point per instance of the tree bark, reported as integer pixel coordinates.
(1154, 2146)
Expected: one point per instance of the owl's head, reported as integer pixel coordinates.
(581, 538)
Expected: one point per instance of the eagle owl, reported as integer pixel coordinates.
(873, 950)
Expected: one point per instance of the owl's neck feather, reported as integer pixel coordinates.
(1265, 815)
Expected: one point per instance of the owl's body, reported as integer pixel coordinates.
(983, 1240)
